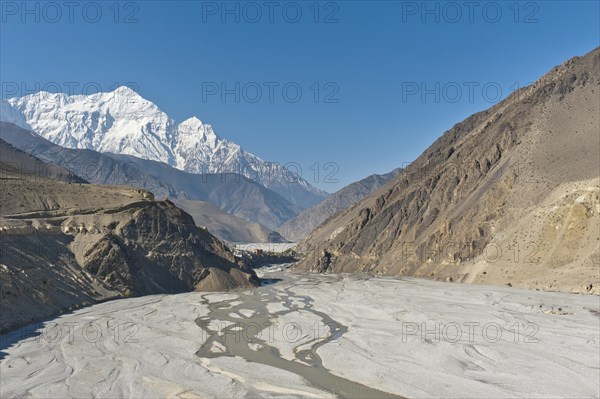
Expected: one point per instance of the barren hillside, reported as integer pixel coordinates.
(69, 244)
(508, 196)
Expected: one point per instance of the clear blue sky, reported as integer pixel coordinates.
(367, 58)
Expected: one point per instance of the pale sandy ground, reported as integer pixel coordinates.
(562, 358)
(153, 356)
(154, 353)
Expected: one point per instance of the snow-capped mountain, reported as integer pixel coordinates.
(122, 122)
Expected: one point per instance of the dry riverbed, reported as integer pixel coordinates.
(315, 336)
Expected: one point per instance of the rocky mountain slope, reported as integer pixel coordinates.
(508, 196)
(225, 226)
(231, 193)
(15, 159)
(306, 221)
(69, 244)
(122, 122)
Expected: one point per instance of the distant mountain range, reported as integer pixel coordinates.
(306, 221)
(122, 122)
(226, 226)
(229, 192)
(28, 164)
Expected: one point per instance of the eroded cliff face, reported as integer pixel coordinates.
(155, 248)
(65, 245)
(457, 212)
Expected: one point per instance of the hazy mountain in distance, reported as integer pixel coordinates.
(70, 244)
(225, 226)
(122, 122)
(306, 221)
(508, 196)
(31, 165)
(231, 193)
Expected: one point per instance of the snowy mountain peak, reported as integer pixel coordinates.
(123, 122)
(192, 123)
(125, 90)
(124, 94)
(195, 130)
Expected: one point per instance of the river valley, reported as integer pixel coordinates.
(309, 335)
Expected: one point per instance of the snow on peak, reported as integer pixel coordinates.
(123, 122)
(125, 90)
(125, 94)
(196, 130)
(192, 123)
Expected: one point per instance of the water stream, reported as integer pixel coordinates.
(235, 337)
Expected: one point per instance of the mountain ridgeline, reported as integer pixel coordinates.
(232, 193)
(306, 221)
(508, 196)
(511, 195)
(122, 122)
(226, 226)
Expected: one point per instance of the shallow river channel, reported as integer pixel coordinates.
(251, 340)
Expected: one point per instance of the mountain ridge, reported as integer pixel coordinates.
(123, 122)
(225, 226)
(302, 224)
(231, 193)
(508, 196)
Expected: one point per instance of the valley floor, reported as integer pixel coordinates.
(315, 336)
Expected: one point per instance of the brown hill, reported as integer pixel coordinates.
(68, 244)
(508, 196)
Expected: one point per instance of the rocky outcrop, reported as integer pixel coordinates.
(459, 210)
(156, 248)
(66, 245)
(323, 263)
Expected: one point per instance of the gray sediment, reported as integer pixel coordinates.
(234, 338)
